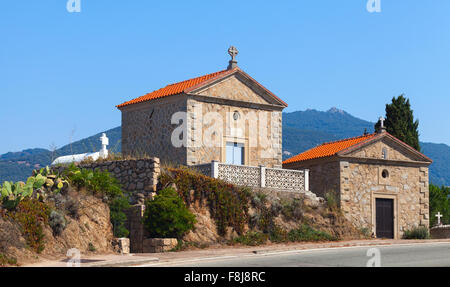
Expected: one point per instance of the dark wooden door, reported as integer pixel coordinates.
(385, 218)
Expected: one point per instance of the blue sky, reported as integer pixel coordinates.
(63, 73)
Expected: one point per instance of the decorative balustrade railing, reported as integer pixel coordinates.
(251, 176)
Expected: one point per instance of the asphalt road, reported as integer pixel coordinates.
(408, 255)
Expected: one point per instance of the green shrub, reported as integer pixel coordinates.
(168, 216)
(118, 217)
(91, 247)
(278, 235)
(7, 261)
(417, 233)
(292, 209)
(57, 222)
(99, 182)
(307, 233)
(102, 184)
(332, 200)
(228, 204)
(251, 238)
(31, 215)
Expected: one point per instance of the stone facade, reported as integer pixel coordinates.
(149, 127)
(383, 169)
(138, 177)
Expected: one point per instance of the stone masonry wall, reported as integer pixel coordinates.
(267, 152)
(139, 177)
(323, 176)
(147, 129)
(362, 183)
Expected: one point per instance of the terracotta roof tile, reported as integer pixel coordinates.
(173, 89)
(328, 149)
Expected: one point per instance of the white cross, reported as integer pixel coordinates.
(382, 119)
(439, 216)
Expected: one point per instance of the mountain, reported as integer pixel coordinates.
(302, 130)
(16, 166)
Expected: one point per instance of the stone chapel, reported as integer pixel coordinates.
(381, 183)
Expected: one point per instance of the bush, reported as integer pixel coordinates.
(167, 215)
(228, 204)
(7, 261)
(118, 217)
(417, 233)
(332, 200)
(251, 238)
(31, 214)
(307, 233)
(292, 209)
(57, 222)
(100, 183)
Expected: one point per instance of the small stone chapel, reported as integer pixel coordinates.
(381, 183)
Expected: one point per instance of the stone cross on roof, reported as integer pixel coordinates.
(382, 127)
(382, 120)
(233, 52)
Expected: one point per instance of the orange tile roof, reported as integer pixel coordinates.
(173, 89)
(328, 149)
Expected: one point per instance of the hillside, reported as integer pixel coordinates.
(16, 166)
(302, 130)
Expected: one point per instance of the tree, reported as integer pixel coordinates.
(439, 202)
(400, 122)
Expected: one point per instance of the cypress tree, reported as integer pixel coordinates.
(400, 122)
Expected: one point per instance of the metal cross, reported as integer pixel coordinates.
(382, 119)
(232, 51)
(439, 216)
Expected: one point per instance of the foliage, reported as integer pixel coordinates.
(57, 222)
(91, 247)
(228, 203)
(400, 121)
(439, 202)
(292, 209)
(332, 200)
(304, 233)
(31, 214)
(118, 217)
(252, 238)
(7, 261)
(99, 182)
(307, 233)
(417, 233)
(168, 216)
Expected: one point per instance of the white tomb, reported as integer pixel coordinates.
(103, 153)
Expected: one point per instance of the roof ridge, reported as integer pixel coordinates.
(173, 88)
(196, 78)
(348, 139)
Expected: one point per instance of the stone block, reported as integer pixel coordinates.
(121, 245)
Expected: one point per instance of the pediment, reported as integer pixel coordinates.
(394, 149)
(238, 86)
